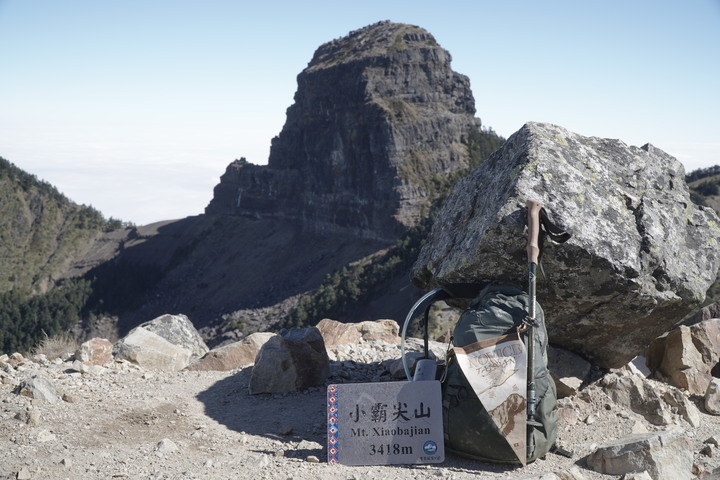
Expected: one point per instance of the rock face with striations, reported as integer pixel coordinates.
(641, 257)
(377, 115)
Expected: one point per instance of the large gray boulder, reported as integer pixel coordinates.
(642, 255)
(168, 343)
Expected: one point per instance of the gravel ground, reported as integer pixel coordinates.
(119, 421)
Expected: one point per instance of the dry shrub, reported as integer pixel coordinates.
(57, 346)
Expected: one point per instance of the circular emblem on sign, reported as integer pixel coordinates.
(430, 447)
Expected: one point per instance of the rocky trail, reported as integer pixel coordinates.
(123, 421)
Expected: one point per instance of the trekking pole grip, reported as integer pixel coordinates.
(533, 222)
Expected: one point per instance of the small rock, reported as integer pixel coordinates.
(166, 446)
(712, 397)
(96, 351)
(664, 454)
(30, 416)
(312, 459)
(638, 476)
(24, 474)
(709, 450)
(46, 436)
(568, 370)
(39, 388)
(567, 415)
(69, 398)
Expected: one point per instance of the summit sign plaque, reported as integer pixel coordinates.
(385, 423)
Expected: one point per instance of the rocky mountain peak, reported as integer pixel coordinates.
(377, 40)
(379, 116)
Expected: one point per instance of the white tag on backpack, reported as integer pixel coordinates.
(497, 371)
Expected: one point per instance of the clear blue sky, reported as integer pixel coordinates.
(136, 107)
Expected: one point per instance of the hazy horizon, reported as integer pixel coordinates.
(137, 108)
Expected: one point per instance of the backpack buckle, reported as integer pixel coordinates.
(530, 322)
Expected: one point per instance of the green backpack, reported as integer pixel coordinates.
(469, 430)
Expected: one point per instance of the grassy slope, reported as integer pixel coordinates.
(41, 231)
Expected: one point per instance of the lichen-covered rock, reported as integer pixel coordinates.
(178, 330)
(378, 116)
(151, 351)
(641, 257)
(169, 342)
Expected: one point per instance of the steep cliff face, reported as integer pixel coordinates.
(378, 117)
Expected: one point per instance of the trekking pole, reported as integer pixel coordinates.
(533, 251)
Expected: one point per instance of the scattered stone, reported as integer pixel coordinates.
(382, 330)
(258, 461)
(397, 369)
(681, 404)
(29, 415)
(233, 355)
(169, 342)
(291, 361)
(567, 416)
(149, 350)
(69, 398)
(338, 333)
(23, 474)
(572, 473)
(638, 476)
(96, 351)
(166, 447)
(81, 367)
(712, 397)
(637, 366)
(665, 454)
(312, 459)
(46, 436)
(709, 450)
(568, 370)
(178, 330)
(686, 355)
(638, 395)
(39, 388)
